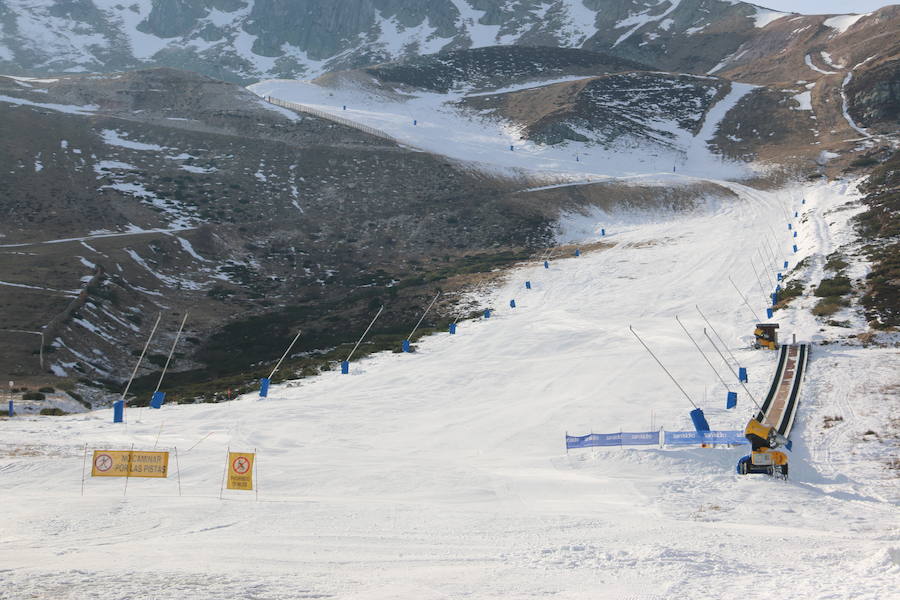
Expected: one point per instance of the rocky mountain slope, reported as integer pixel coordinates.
(162, 190)
(244, 40)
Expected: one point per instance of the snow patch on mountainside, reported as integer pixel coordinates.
(480, 35)
(809, 63)
(842, 23)
(128, 16)
(638, 20)
(432, 122)
(804, 99)
(65, 108)
(580, 25)
(398, 39)
(765, 16)
(114, 138)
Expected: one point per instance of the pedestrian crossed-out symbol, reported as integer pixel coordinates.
(240, 465)
(103, 462)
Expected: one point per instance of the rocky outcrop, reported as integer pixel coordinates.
(874, 95)
(494, 67)
(171, 18)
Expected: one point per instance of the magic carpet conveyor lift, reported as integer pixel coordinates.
(771, 427)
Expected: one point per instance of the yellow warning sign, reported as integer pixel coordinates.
(240, 470)
(130, 463)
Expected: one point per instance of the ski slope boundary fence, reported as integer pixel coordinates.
(330, 117)
(654, 438)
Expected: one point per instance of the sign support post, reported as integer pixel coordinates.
(128, 470)
(83, 466)
(224, 471)
(178, 469)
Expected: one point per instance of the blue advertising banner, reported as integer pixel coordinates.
(649, 438)
(677, 438)
(593, 440)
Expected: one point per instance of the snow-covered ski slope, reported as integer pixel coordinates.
(434, 122)
(442, 473)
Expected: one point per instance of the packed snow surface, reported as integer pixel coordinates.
(442, 473)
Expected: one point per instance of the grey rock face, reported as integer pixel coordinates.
(319, 27)
(874, 95)
(170, 18)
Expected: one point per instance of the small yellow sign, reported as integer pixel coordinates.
(240, 470)
(130, 463)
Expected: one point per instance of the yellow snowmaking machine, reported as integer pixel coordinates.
(764, 458)
(766, 336)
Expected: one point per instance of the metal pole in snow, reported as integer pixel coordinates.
(724, 345)
(768, 274)
(171, 352)
(661, 365)
(772, 243)
(133, 373)
(749, 393)
(701, 352)
(758, 280)
(283, 356)
(771, 251)
(744, 299)
(363, 335)
(409, 337)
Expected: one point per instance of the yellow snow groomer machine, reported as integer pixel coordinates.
(764, 458)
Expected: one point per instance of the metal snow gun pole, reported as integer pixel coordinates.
(697, 416)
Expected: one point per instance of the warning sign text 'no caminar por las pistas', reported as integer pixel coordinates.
(130, 463)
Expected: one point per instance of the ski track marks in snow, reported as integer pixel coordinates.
(442, 473)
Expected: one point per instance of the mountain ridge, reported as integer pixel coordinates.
(242, 41)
